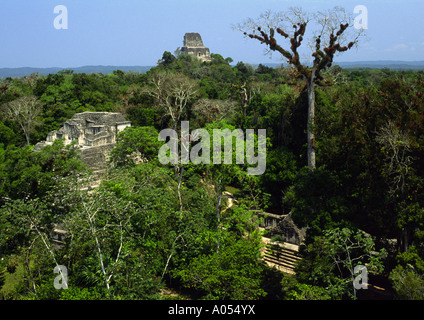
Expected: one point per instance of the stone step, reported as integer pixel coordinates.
(283, 254)
(278, 262)
(284, 258)
(287, 268)
(281, 257)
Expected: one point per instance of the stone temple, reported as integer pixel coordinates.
(95, 133)
(193, 45)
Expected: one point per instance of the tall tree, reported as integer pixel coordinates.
(24, 111)
(333, 27)
(172, 92)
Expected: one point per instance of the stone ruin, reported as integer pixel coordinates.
(95, 133)
(283, 226)
(193, 45)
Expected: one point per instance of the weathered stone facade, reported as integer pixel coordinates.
(193, 45)
(95, 133)
(283, 226)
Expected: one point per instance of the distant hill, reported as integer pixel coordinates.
(24, 71)
(390, 64)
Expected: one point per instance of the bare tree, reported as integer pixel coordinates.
(98, 217)
(24, 111)
(396, 146)
(214, 110)
(172, 92)
(244, 97)
(31, 80)
(332, 29)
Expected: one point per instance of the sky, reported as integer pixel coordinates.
(137, 32)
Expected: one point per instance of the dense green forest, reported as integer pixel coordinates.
(149, 228)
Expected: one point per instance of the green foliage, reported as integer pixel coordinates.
(279, 177)
(7, 136)
(294, 290)
(408, 284)
(161, 225)
(135, 142)
(32, 174)
(413, 257)
(316, 201)
(142, 116)
(2, 276)
(331, 259)
(167, 59)
(84, 294)
(232, 273)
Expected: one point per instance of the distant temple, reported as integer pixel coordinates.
(193, 45)
(95, 134)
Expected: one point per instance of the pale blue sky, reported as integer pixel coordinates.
(137, 32)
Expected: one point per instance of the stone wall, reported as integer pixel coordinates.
(96, 157)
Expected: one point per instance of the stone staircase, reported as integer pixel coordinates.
(282, 256)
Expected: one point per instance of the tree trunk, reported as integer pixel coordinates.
(179, 190)
(310, 125)
(404, 240)
(27, 139)
(218, 215)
